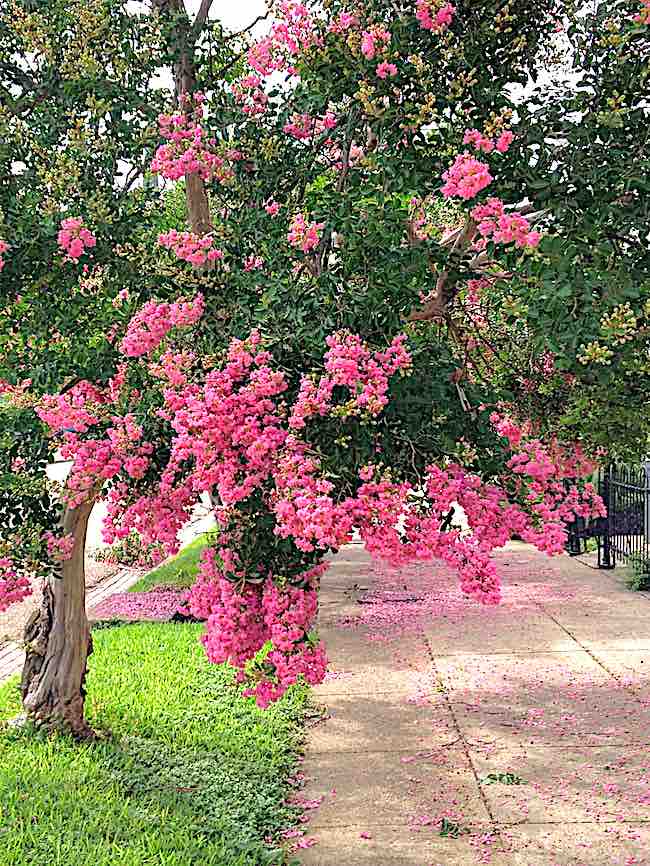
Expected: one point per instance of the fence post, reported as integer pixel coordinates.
(646, 501)
(605, 550)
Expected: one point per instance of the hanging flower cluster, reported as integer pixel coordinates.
(13, 587)
(434, 15)
(292, 32)
(190, 247)
(59, 547)
(75, 411)
(249, 94)
(74, 238)
(234, 435)
(502, 228)
(373, 41)
(241, 620)
(154, 321)
(304, 235)
(304, 126)
(386, 70)
(189, 149)
(487, 145)
(466, 177)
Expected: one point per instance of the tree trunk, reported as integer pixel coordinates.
(198, 206)
(196, 194)
(58, 640)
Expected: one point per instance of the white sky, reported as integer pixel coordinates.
(234, 14)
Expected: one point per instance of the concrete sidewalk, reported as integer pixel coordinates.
(457, 734)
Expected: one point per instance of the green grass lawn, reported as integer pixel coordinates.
(179, 571)
(192, 773)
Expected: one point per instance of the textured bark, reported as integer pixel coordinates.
(196, 194)
(58, 641)
(198, 206)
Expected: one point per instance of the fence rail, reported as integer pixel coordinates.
(623, 536)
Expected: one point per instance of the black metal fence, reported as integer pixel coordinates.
(624, 535)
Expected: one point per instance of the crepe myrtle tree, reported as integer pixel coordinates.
(80, 95)
(402, 312)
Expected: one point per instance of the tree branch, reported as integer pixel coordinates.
(201, 18)
(434, 307)
(249, 27)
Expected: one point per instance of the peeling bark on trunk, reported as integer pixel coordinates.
(196, 194)
(58, 641)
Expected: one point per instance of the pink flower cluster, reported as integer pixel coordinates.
(95, 461)
(386, 70)
(172, 367)
(335, 155)
(533, 500)
(373, 41)
(4, 246)
(289, 614)
(303, 507)
(304, 126)
(241, 618)
(230, 427)
(292, 33)
(344, 22)
(466, 177)
(349, 362)
(502, 228)
(189, 150)
(190, 247)
(74, 411)
(303, 235)
(154, 321)
(74, 238)
(434, 14)
(253, 263)
(487, 145)
(235, 436)
(543, 367)
(248, 93)
(59, 547)
(13, 587)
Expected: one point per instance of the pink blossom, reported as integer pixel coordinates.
(249, 94)
(189, 149)
(253, 263)
(190, 247)
(344, 22)
(502, 228)
(304, 235)
(13, 587)
(154, 321)
(373, 40)
(434, 15)
(59, 547)
(466, 177)
(73, 238)
(384, 70)
(292, 33)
